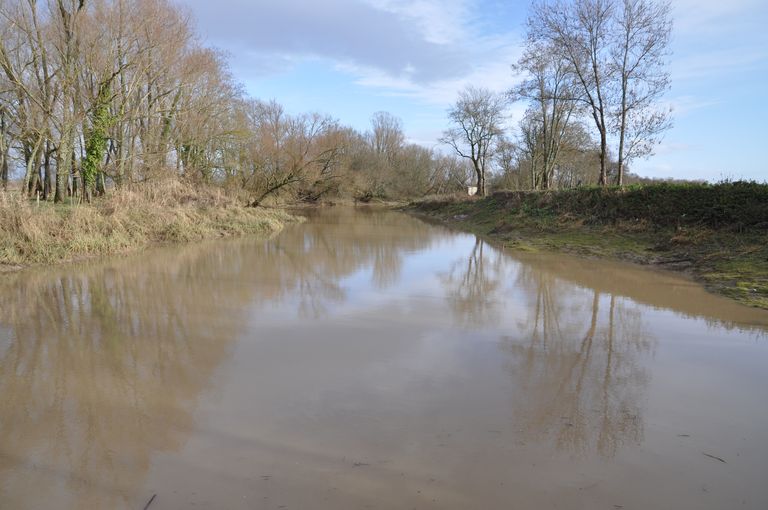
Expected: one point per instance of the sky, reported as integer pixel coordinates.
(352, 58)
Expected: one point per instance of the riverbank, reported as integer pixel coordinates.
(716, 233)
(124, 221)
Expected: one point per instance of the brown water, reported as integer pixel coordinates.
(369, 360)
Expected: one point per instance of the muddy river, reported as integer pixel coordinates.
(366, 360)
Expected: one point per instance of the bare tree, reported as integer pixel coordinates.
(121, 93)
(528, 149)
(4, 151)
(387, 137)
(581, 32)
(510, 176)
(67, 25)
(477, 117)
(616, 52)
(25, 63)
(642, 33)
(290, 152)
(450, 174)
(553, 95)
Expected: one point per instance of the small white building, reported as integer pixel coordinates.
(471, 191)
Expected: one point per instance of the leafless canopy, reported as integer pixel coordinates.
(477, 118)
(616, 53)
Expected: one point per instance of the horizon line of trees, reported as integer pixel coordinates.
(103, 93)
(594, 72)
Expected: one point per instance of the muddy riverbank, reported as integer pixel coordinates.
(728, 257)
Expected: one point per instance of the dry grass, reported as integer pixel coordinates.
(126, 220)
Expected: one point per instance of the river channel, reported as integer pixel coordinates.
(365, 359)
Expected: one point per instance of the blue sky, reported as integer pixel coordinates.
(352, 58)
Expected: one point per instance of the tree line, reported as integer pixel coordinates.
(101, 93)
(594, 72)
(97, 94)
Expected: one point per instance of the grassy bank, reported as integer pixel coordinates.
(126, 220)
(716, 233)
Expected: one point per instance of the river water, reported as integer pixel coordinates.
(366, 359)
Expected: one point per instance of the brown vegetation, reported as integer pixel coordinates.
(98, 94)
(125, 220)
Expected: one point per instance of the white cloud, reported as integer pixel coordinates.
(342, 30)
(441, 21)
(422, 49)
(490, 67)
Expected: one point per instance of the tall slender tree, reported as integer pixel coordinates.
(553, 95)
(616, 51)
(642, 32)
(581, 32)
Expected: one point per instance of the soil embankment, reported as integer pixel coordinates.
(717, 233)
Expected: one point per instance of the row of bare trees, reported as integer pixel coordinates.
(310, 156)
(96, 93)
(594, 75)
(101, 89)
(101, 93)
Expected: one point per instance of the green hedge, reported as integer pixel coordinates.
(734, 204)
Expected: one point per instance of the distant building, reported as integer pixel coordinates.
(472, 191)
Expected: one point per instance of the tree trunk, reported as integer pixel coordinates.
(101, 188)
(63, 163)
(31, 155)
(622, 127)
(34, 184)
(480, 173)
(47, 176)
(622, 136)
(4, 169)
(4, 150)
(603, 181)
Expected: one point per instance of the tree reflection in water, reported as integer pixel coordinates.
(310, 263)
(101, 367)
(473, 286)
(101, 364)
(576, 354)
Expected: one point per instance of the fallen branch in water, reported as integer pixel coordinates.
(716, 458)
(150, 501)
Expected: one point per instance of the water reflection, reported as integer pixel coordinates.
(100, 367)
(580, 361)
(650, 288)
(103, 365)
(576, 356)
(311, 262)
(474, 284)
